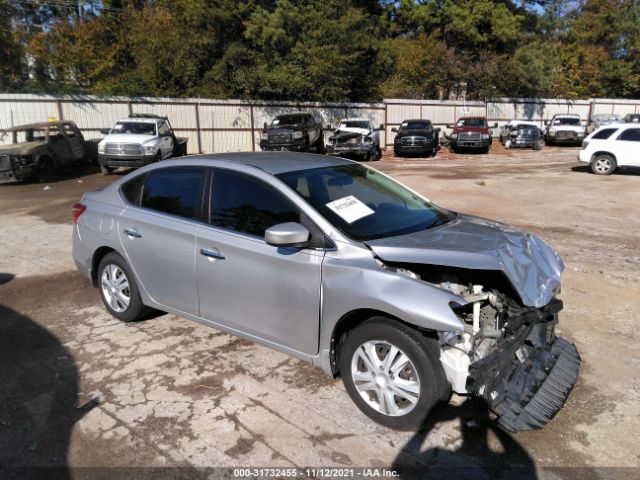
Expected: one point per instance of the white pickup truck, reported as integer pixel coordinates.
(564, 128)
(137, 141)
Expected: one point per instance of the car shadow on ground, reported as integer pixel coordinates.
(478, 457)
(632, 171)
(38, 399)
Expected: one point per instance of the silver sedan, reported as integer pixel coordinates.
(337, 264)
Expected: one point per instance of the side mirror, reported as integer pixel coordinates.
(381, 127)
(288, 234)
(105, 131)
(495, 125)
(437, 129)
(546, 122)
(394, 129)
(265, 126)
(449, 126)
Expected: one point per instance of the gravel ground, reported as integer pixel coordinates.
(82, 392)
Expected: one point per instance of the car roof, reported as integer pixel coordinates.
(572, 115)
(141, 119)
(473, 117)
(355, 119)
(270, 162)
(417, 120)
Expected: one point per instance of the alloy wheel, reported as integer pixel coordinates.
(602, 165)
(385, 378)
(115, 288)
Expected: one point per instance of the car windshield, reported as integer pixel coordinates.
(354, 124)
(289, 120)
(363, 203)
(415, 126)
(566, 121)
(472, 122)
(135, 128)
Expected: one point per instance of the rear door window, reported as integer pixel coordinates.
(604, 134)
(176, 191)
(630, 135)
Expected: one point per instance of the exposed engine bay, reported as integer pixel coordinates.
(508, 353)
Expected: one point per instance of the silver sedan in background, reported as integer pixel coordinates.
(337, 264)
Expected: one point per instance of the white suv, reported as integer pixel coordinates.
(610, 147)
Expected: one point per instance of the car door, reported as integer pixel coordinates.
(158, 235)
(245, 284)
(166, 140)
(75, 139)
(59, 146)
(627, 144)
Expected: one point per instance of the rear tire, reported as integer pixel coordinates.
(119, 290)
(603, 164)
(406, 374)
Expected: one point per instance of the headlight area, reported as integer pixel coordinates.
(507, 353)
(150, 149)
(23, 161)
(296, 135)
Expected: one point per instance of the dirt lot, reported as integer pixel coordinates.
(79, 389)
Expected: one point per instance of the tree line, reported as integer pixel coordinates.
(322, 50)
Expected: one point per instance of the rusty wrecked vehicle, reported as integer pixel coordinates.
(39, 150)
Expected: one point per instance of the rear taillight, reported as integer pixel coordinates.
(77, 210)
(584, 145)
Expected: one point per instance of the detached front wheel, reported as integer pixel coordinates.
(392, 373)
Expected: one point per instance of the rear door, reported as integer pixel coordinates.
(268, 292)
(627, 145)
(158, 235)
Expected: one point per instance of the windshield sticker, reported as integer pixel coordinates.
(350, 208)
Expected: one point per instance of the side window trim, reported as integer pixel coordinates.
(199, 216)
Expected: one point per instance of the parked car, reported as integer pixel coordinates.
(356, 138)
(521, 134)
(471, 133)
(300, 132)
(611, 147)
(632, 118)
(137, 141)
(601, 119)
(39, 150)
(415, 137)
(564, 128)
(337, 264)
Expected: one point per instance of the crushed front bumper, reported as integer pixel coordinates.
(529, 378)
(361, 149)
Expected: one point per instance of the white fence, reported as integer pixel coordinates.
(234, 125)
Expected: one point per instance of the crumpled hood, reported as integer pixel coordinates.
(342, 135)
(532, 266)
(19, 148)
(359, 131)
(128, 138)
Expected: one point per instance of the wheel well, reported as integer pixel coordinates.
(46, 156)
(351, 320)
(609, 154)
(98, 255)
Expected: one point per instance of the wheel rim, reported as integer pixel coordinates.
(115, 288)
(385, 378)
(602, 165)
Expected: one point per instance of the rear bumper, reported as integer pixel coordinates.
(135, 161)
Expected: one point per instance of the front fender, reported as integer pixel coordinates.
(356, 281)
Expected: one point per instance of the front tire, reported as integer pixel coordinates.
(392, 372)
(46, 171)
(118, 289)
(603, 164)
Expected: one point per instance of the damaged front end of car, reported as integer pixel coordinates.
(507, 352)
(351, 144)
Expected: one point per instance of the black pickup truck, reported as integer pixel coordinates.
(415, 137)
(299, 132)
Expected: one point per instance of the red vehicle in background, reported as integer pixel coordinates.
(471, 133)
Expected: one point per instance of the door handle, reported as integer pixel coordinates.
(132, 233)
(212, 253)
